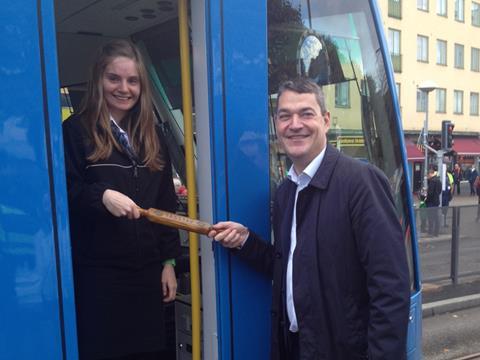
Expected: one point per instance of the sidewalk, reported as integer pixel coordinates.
(440, 299)
(458, 200)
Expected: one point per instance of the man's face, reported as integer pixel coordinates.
(301, 127)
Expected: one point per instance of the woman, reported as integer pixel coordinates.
(115, 161)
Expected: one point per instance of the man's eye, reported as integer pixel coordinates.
(307, 115)
(284, 117)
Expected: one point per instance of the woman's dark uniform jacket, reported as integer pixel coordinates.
(350, 275)
(117, 261)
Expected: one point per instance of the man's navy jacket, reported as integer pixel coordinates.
(350, 274)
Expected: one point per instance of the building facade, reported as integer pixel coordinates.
(437, 40)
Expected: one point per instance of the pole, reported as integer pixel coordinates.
(425, 146)
(441, 172)
(191, 181)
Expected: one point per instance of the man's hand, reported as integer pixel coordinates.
(120, 205)
(230, 234)
(169, 283)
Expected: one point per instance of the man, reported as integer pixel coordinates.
(457, 177)
(338, 264)
(471, 179)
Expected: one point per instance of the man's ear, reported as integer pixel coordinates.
(326, 119)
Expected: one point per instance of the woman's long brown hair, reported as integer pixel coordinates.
(140, 121)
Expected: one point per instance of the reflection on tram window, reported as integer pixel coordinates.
(334, 43)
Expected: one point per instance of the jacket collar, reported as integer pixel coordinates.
(325, 171)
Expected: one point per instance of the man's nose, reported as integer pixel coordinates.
(296, 121)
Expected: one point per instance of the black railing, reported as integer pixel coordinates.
(450, 249)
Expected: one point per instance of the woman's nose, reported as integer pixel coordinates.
(123, 86)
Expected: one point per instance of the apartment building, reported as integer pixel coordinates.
(437, 40)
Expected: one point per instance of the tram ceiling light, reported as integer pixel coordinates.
(427, 86)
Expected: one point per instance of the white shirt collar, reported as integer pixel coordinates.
(118, 126)
(309, 171)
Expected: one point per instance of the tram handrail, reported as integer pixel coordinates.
(191, 181)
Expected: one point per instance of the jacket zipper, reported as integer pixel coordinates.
(137, 236)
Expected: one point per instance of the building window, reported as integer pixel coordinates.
(474, 103)
(397, 86)
(459, 58)
(441, 104)
(442, 7)
(460, 10)
(421, 101)
(475, 14)
(475, 59)
(441, 52)
(342, 95)
(395, 9)
(422, 5)
(422, 48)
(457, 101)
(394, 47)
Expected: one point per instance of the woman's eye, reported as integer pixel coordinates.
(113, 78)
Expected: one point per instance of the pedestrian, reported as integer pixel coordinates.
(115, 161)
(338, 263)
(457, 177)
(447, 196)
(477, 189)
(471, 179)
(433, 201)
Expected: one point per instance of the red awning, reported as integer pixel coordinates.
(466, 146)
(413, 152)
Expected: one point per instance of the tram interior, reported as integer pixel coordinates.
(84, 25)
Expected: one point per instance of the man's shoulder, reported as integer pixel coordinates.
(352, 167)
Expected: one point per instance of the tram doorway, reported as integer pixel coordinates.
(81, 28)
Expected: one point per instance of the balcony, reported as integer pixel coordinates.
(395, 8)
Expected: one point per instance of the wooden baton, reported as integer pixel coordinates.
(176, 221)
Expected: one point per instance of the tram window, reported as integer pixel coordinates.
(65, 103)
(334, 43)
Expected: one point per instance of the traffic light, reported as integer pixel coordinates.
(447, 135)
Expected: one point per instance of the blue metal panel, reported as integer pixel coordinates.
(58, 187)
(238, 83)
(415, 327)
(214, 38)
(30, 310)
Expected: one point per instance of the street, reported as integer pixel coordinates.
(451, 335)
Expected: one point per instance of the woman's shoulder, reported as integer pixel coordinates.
(73, 121)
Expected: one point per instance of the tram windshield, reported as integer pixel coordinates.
(334, 42)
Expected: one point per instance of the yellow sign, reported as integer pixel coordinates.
(350, 141)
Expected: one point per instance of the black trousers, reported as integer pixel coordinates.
(293, 346)
(140, 356)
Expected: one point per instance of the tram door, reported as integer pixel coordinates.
(82, 26)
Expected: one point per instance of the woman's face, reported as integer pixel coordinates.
(121, 86)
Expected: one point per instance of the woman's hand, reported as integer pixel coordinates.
(120, 205)
(169, 283)
(230, 234)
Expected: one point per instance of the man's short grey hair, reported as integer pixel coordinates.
(303, 85)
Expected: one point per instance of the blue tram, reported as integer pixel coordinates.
(241, 51)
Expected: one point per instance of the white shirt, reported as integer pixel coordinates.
(302, 182)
